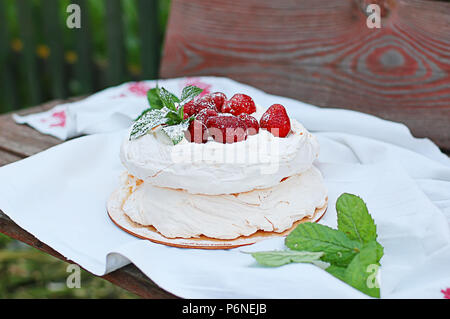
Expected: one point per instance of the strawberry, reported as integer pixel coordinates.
(219, 100)
(226, 129)
(204, 114)
(190, 109)
(276, 121)
(251, 123)
(238, 104)
(197, 132)
(210, 101)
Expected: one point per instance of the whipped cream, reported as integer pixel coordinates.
(179, 214)
(260, 162)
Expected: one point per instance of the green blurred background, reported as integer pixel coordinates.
(40, 60)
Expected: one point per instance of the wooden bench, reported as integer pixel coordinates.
(319, 52)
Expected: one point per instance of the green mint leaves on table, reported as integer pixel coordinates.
(166, 110)
(352, 250)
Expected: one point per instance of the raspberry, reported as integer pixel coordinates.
(197, 132)
(204, 114)
(276, 121)
(226, 129)
(238, 104)
(251, 123)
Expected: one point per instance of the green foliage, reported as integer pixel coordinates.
(26, 272)
(17, 93)
(351, 251)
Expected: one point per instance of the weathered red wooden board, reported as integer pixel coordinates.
(322, 52)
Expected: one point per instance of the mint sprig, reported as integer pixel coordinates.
(352, 252)
(338, 249)
(167, 110)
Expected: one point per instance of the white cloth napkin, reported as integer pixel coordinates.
(59, 196)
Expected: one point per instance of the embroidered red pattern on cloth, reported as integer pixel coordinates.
(56, 119)
(139, 88)
(446, 293)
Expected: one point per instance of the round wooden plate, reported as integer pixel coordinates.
(149, 232)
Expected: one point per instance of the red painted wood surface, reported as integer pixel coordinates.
(323, 53)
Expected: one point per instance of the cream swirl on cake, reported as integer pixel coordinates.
(261, 161)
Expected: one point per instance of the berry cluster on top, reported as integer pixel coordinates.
(230, 121)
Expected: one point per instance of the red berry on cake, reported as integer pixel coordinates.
(205, 114)
(251, 123)
(211, 101)
(276, 121)
(238, 104)
(189, 109)
(197, 132)
(219, 100)
(226, 129)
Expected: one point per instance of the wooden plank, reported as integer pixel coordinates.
(8, 158)
(149, 34)
(23, 141)
(53, 36)
(84, 65)
(115, 42)
(7, 90)
(128, 277)
(323, 53)
(29, 67)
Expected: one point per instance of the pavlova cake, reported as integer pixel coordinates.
(208, 166)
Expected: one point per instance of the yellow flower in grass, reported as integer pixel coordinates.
(17, 45)
(43, 51)
(134, 69)
(71, 57)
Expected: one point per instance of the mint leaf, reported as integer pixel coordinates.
(173, 118)
(147, 121)
(280, 258)
(154, 100)
(189, 93)
(168, 99)
(176, 132)
(336, 271)
(354, 219)
(361, 272)
(338, 249)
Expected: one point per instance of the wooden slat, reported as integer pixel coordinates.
(53, 36)
(7, 158)
(322, 52)
(84, 65)
(129, 277)
(149, 34)
(115, 42)
(29, 67)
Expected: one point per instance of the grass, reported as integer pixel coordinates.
(26, 272)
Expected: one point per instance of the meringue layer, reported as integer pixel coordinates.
(179, 214)
(259, 162)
